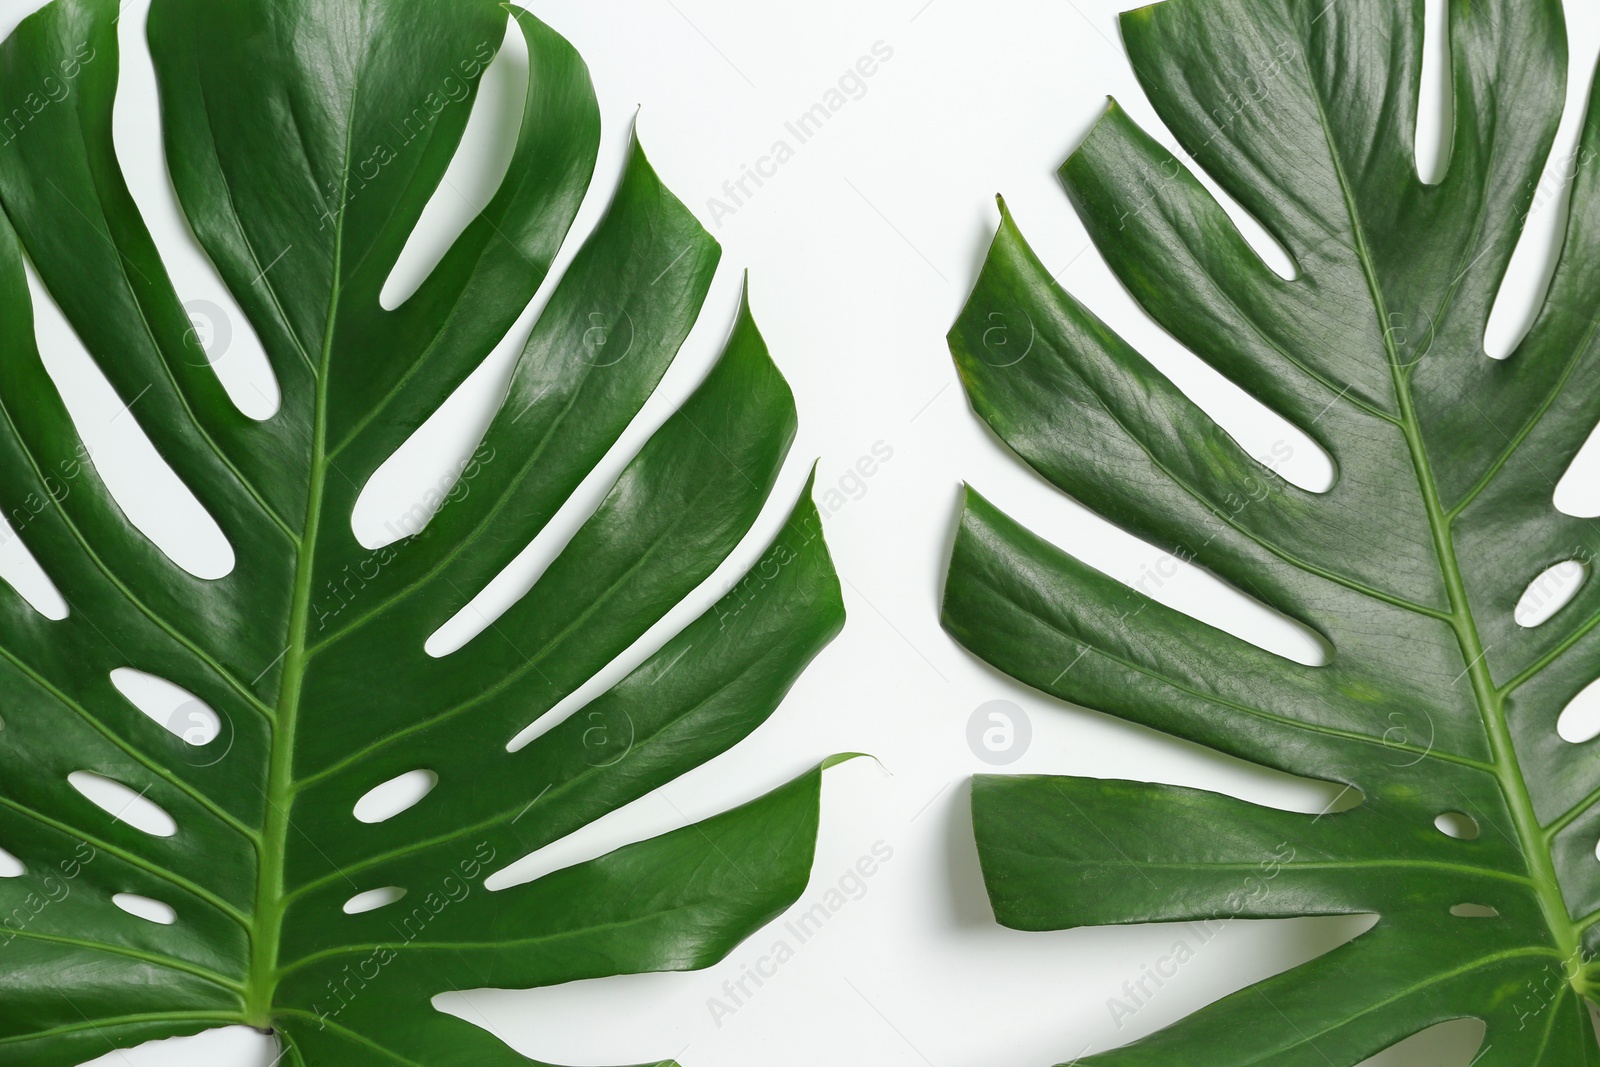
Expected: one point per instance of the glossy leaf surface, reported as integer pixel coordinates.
(1435, 701)
(304, 139)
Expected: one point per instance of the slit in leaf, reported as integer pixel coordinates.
(123, 804)
(1579, 721)
(1183, 586)
(1578, 492)
(1526, 285)
(1474, 911)
(145, 908)
(220, 335)
(373, 899)
(10, 866)
(439, 462)
(182, 713)
(384, 802)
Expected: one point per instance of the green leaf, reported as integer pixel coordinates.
(304, 139)
(1410, 566)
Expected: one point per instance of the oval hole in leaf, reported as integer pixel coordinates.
(145, 908)
(1580, 719)
(20, 570)
(10, 866)
(123, 803)
(481, 162)
(1460, 826)
(373, 899)
(182, 713)
(1474, 911)
(1549, 593)
(383, 802)
(1448, 1044)
(154, 499)
(1578, 491)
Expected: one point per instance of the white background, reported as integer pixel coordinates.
(860, 251)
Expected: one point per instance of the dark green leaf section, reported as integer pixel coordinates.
(1433, 700)
(304, 139)
(708, 886)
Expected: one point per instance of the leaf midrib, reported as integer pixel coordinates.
(1491, 705)
(267, 925)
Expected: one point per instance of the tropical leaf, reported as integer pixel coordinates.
(304, 138)
(1435, 700)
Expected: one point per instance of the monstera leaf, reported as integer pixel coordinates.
(304, 139)
(1434, 700)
